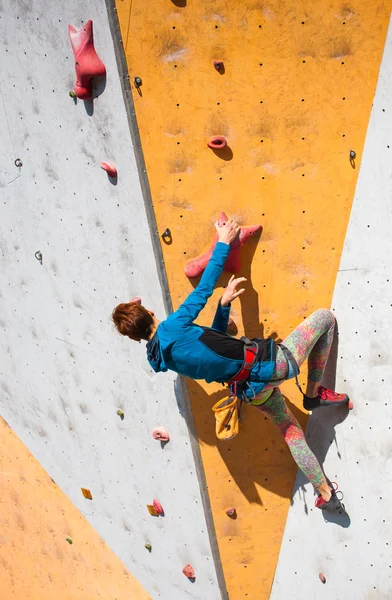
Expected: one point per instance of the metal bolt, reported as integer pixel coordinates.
(72, 94)
(138, 82)
(352, 154)
(18, 162)
(166, 233)
(38, 256)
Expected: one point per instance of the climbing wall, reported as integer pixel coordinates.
(292, 99)
(48, 549)
(353, 550)
(76, 395)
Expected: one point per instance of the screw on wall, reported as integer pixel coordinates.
(353, 156)
(167, 236)
(38, 256)
(219, 66)
(138, 83)
(18, 163)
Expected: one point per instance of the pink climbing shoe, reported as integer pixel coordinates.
(87, 62)
(333, 503)
(326, 397)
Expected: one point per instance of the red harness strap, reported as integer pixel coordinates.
(251, 350)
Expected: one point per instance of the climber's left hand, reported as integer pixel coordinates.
(231, 292)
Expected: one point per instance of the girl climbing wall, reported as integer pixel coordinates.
(259, 367)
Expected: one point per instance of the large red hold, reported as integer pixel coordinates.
(232, 265)
(87, 62)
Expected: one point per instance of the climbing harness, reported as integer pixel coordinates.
(227, 411)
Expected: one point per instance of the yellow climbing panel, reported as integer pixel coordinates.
(293, 99)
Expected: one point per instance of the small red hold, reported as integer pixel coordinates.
(218, 64)
(160, 433)
(322, 578)
(109, 168)
(217, 142)
(87, 62)
(231, 512)
(158, 507)
(189, 572)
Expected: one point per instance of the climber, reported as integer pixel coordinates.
(180, 345)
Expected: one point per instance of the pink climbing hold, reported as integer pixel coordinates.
(158, 507)
(231, 512)
(189, 572)
(87, 62)
(217, 142)
(160, 433)
(232, 265)
(137, 300)
(218, 64)
(109, 168)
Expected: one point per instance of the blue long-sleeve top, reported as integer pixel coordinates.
(177, 344)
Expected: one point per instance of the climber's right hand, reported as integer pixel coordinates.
(228, 231)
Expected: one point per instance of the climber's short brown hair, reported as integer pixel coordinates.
(133, 320)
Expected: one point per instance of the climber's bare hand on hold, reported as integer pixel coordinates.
(228, 231)
(231, 292)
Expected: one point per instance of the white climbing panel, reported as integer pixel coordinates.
(64, 371)
(354, 551)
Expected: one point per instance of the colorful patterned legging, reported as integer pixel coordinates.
(311, 340)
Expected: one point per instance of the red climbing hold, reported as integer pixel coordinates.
(109, 168)
(322, 578)
(158, 507)
(217, 142)
(87, 62)
(231, 512)
(218, 64)
(232, 265)
(189, 572)
(160, 433)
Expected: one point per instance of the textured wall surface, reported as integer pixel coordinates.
(354, 550)
(293, 100)
(64, 371)
(47, 548)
